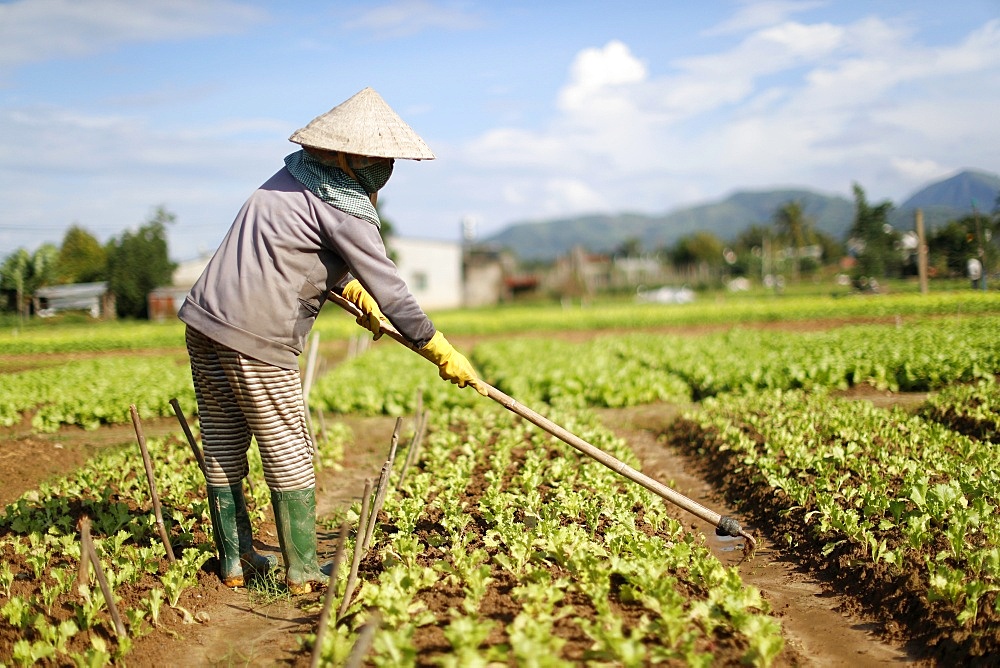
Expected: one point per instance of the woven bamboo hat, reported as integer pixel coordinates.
(364, 125)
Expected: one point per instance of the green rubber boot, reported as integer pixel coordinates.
(254, 564)
(295, 519)
(234, 537)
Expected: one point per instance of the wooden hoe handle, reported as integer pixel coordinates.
(725, 526)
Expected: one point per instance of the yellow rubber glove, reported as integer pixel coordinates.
(452, 365)
(371, 317)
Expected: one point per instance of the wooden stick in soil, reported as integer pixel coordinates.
(394, 441)
(352, 575)
(383, 486)
(89, 553)
(322, 421)
(364, 642)
(331, 593)
(151, 479)
(413, 450)
(369, 527)
(187, 434)
(307, 388)
(83, 576)
(724, 526)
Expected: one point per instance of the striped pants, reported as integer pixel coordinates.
(240, 397)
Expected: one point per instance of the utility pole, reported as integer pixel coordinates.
(980, 251)
(921, 251)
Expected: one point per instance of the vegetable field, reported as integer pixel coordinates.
(489, 542)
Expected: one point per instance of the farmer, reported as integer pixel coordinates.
(311, 229)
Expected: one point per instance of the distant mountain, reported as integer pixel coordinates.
(944, 201)
(727, 218)
(962, 191)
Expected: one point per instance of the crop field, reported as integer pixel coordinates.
(857, 439)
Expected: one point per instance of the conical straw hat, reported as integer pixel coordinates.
(364, 125)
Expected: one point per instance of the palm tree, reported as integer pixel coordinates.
(795, 228)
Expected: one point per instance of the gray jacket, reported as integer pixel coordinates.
(262, 290)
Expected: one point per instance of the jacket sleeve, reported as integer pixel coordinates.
(359, 244)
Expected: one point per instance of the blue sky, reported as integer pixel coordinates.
(535, 110)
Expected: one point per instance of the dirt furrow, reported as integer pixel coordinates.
(817, 632)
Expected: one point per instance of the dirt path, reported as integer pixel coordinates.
(815, 629)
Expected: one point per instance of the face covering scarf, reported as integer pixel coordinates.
(336, 188)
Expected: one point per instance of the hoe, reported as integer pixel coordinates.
(724, 526)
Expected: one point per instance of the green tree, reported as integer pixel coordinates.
(629, 247)
(952, 246)
(700, 247)
(749, 246)
(138, 262)
(832, 250)
(701, 251)
(25, 272)
(795, 232)
(873, 241)
(82, 258)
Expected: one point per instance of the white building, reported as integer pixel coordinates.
(431, 269)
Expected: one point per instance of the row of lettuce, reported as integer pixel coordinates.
(98, 337)
(608, 370)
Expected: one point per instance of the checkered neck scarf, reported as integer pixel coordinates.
(332, 186)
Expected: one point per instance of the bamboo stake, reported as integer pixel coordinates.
(394, 441)
(331, 593)
(369, 528)
(150, 478)
(413, 450)
(352, 576)
(90, 553)
(83, 575)
(384, 483)
(724, 526)
(364, 641)
(307, 388)
(310, 365)
(187, 433)
(322, 421)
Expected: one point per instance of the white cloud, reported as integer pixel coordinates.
(563, 196)
(107, 171)
(409, 17)
(819, 105)
(595, 76)
(516, 148)
(918, 169)
(753, 15)
(35, 30)
(70, 141)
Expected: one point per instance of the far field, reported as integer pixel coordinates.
(854, 435)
